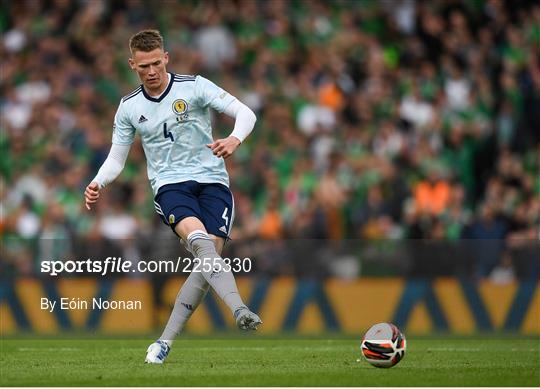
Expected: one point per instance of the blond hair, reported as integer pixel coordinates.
(146, 40)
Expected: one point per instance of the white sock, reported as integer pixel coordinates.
(188, 299)
(202, 246)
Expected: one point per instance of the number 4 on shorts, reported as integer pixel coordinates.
(226, 218)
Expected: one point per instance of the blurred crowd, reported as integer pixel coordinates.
(377, 121)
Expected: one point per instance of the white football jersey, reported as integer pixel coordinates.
(175, 129)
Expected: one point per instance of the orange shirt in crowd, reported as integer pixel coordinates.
(432, 198)
(271, 225)
(330, 96)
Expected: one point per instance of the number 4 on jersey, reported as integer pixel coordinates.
(166, 133)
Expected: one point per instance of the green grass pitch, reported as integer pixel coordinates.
(269, 361)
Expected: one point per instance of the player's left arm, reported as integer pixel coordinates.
(244, 122)
(212, 96)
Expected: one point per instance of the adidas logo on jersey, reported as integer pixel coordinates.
(142, 119)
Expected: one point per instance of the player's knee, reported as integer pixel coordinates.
(187, 224)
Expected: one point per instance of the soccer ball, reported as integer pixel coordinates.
(383, 345)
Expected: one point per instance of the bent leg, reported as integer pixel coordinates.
(192, 231)
(190, 295)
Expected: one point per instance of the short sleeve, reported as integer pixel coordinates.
(123, 131)
(211, 95)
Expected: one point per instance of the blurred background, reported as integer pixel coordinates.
(397, 142)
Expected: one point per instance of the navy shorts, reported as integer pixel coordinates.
(212, 204)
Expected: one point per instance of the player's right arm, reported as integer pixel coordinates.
(123, 136)
(111, 168)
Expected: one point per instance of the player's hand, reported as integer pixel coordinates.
(91, 194)
(224, 147)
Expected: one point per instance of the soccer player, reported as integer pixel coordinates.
(186, 170)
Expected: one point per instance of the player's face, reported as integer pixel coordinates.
(151, 67)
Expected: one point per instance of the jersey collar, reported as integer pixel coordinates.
(165, 93)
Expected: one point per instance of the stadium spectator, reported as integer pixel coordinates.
(432, 195)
